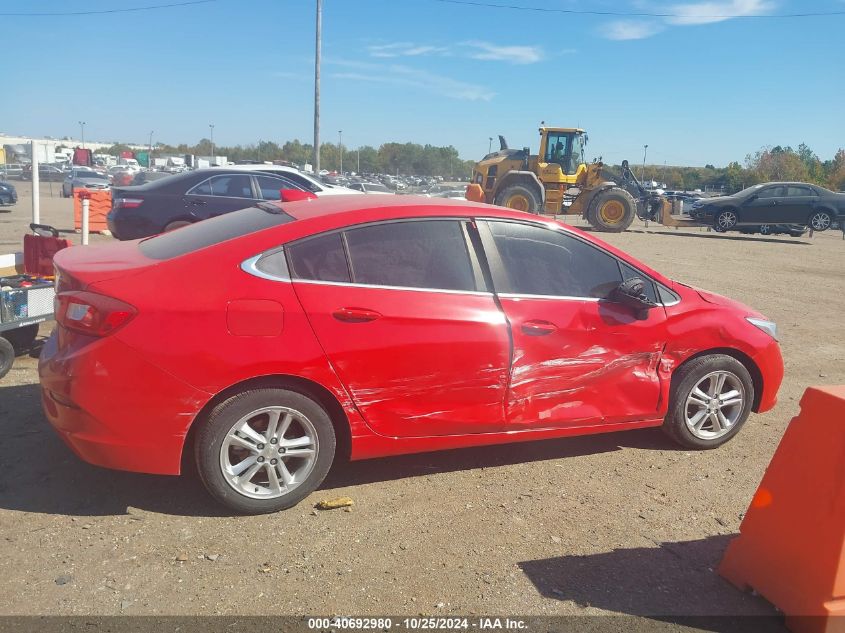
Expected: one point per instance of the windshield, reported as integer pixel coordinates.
(86, 173)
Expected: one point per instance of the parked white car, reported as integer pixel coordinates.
(371, 187)
(305, 181)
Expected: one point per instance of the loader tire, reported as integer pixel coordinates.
(612, 210)
(519, 198)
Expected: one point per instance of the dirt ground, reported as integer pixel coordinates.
(615, 524)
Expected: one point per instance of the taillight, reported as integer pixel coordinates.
(127, 203)
(92, 314)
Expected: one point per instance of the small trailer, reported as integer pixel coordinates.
(26, 300)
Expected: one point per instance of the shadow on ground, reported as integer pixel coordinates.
(48, 478)
(721, 236)
(666, 583)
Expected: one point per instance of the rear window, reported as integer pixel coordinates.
(213, 231)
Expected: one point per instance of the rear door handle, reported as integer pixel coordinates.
(355, 315)
(194, 202)
(538, 328)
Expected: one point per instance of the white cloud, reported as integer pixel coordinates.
(504, 53)
(485, 51)
(405, 76)
(630, 29)
(405, 49)
(683, 14)
(710, 12)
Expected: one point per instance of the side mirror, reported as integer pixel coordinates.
(630, 293)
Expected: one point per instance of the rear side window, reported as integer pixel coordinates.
(540, 261)
(234, 186)
(208, 232)
(420, 254)
(319, 258)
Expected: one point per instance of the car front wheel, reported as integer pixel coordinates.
(710, 400)
(821, 221)
(725, 221)
(264, 450)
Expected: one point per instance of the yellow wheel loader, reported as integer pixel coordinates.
(557, 181)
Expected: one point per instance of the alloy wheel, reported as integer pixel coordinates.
(269, 452)
(820, 222)
(726, 220)
(714, 405)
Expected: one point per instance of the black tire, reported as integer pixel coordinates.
(22, 338)
(820, 220)
(216, 427)
(7, 356)
(520, 198)
(612, 210)
(176, 224)
(685, 379)
(725, 220)
(766, 229)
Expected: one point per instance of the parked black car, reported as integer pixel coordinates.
(772, 203)
(181, 199)
(46, 173)
(8, 193)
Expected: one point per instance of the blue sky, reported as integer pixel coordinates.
(696, 90)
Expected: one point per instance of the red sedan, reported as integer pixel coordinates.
(261, 340)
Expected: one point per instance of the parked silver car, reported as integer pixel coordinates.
(83, 178)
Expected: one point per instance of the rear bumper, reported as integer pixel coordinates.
(114, 409)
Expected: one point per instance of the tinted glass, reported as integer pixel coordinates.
(424, 254)
(540, 261)
(234, 186)
(319, 258)
(798, 191)
(770, 192)
(302, 181)
(219, 229)
(270, 186)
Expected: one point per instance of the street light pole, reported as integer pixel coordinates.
(82, 127)
(490, 145)
(358, 153)
(642, 173)
(213, 158)
(150, 155)
(317, 47)
(340, 148)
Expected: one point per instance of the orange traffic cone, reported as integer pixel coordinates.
(791, 546)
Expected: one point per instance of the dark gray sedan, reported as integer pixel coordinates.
(772, 203)
(83, 178)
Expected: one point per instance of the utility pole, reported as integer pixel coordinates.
(213, 158)
(318, 44)
(150, 155)
(358, 152)
(82, 127)
(642, 173)
(340, 148)
(490, 145)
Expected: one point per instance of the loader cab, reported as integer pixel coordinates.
(563, 147)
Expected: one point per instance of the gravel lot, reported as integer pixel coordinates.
(620, 524)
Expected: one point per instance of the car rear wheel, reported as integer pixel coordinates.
(710, 400)
(821, 221)
(765, 229)
(264, 450)
(178, 224)
(725, 221)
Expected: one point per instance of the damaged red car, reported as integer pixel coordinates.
(264, 343)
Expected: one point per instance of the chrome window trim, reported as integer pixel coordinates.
(409, 288)
(516, 295)
(251, 266)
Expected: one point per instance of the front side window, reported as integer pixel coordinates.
(303, 182)
(770, 192)
(233, 186)
(540, 261)
(419, 254)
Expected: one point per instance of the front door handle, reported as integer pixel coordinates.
(355, 315)
(538, 328)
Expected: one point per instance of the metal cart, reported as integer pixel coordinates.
(27, 300)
